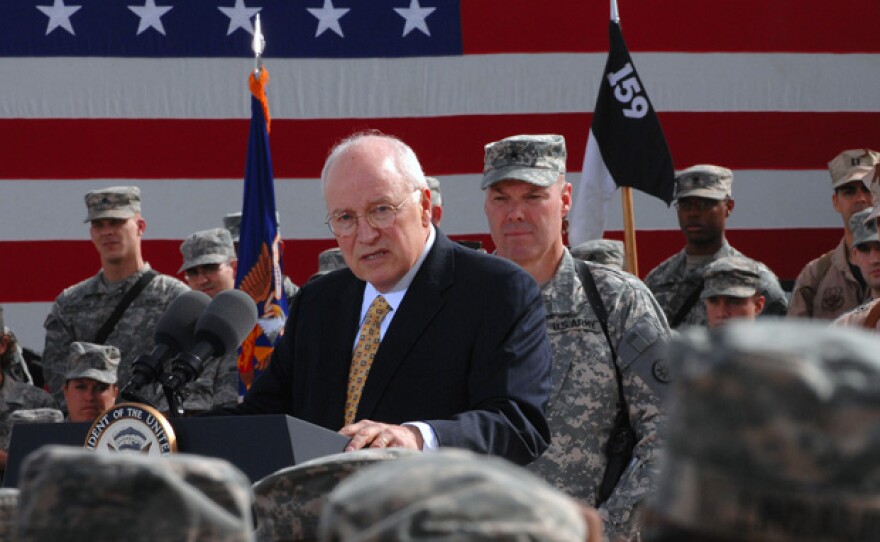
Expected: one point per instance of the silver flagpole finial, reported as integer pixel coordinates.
(259, 45)
(615, 16)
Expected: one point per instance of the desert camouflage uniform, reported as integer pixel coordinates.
(857, 316)
(15, 395)
(672, 283)
(830, 295)
(583, 401)
(450, 495)
(80, 311)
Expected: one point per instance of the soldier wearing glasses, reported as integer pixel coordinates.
(704, 202)
(419, 342)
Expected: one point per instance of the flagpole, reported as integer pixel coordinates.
(626, 200)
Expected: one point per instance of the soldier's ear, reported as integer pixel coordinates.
(141, 225)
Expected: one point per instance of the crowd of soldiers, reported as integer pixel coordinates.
(719, 401)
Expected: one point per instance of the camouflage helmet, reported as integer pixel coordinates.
(864, 229)
(8, 505)
(95, 361)
(76, 494)
(330, 260)
(773, 434)
(704, 181)
(288, 503)
(851, 165)
(450, 494)
(535, 159)
(733, 276)
(604, 251)
(207, 247)
(114, 202)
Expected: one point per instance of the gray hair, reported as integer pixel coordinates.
(405, 160)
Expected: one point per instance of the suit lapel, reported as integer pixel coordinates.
(422, 302)
(338, 338)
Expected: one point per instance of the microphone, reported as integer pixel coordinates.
(226, 322)
(174, 333)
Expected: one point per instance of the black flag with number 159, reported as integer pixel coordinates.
(626, 146)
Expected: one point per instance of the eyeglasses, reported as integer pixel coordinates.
(696, 204)
(379, 216)
(206, 269)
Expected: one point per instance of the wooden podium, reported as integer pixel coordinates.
(258, 445)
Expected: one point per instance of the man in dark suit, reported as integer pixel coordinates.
(459, 355)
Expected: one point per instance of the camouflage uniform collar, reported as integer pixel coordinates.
(103, 286)
(725, 250)
(559, 292)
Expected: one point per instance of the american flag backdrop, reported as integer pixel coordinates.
(150, 92)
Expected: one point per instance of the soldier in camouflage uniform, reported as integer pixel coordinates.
(604, 251)
(773, 436)
(436, 200)
(116, 227)
(14, 394)
(78, 495)
(232, 222)
(91, 382)
(830, 285)
(526, 200)
(8, 505)
(11, 356)
(288, 503)
(452, 495)
(704, 202)
(865, 253)
(329, 260)
(209, 266)
(731, 290)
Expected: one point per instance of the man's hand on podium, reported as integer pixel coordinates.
(370, 434)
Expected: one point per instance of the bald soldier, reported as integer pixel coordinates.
(703, 202)
(87, 311)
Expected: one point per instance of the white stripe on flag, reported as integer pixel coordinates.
(589, 210)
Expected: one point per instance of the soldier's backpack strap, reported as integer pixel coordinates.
(126, 300)
(688, 305)
(622, 440)
(873, 317)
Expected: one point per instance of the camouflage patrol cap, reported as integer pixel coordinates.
(330, 260)
(872, 179)
(851, 165)
(207, 247)
(773, 433)
(232, 222)
(75, 494)
(113, 202)
(450, 494)
(8, 505)
(704, 181)
(733, 276)
(864, 229)
(288, 503)
(605, 251)
(36, 415)
(95, 361)
(436, 196)
(535, 159)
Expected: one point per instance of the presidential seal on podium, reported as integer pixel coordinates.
(132, 427)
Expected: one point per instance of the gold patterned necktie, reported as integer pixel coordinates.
(364, 352)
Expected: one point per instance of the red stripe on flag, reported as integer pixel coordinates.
(43, 278)
(211, 149)
(808, 26)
